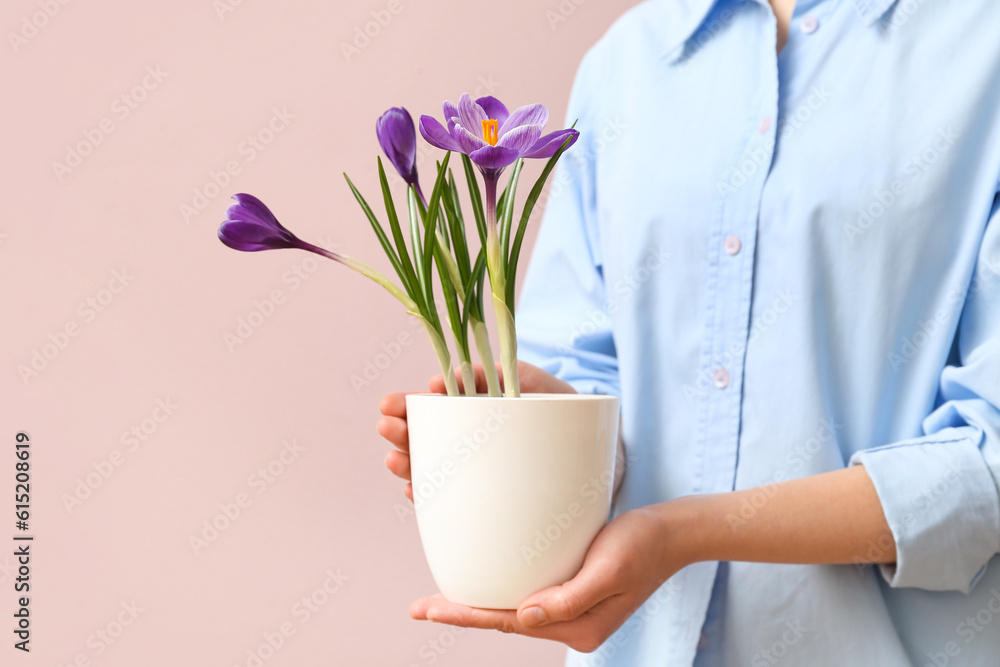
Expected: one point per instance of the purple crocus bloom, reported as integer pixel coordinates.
(250, 226)
(494, 138)
(398, 139)
(490, 135)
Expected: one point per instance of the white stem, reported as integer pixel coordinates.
(372, 274)
(444, 357)
(498, 287)
(451, 266)
(464, 363)
(482, 338)
(508, 348)
(468, 378)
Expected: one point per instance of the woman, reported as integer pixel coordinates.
(778, 240)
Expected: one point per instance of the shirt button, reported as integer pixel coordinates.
(764, 125)
(732, 245)
(721, 378)
(810, 24)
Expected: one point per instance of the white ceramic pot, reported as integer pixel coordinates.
(509, 492)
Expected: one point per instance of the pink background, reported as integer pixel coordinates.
(114, 514)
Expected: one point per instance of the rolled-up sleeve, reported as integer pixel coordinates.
(562, 323)
(940, 491)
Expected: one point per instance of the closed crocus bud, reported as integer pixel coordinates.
(250, 226)
(398, 138)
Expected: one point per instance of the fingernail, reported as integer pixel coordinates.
(431, 614)
(534, 616)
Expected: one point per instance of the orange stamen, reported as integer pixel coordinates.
(490, 131)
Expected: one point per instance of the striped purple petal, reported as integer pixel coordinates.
(494, 158)
(450, 114)
(532, 114)
(519, 132)
(494, 108)
(521, 138)
(435, 134)
(546, 147)
(467, 141)
(471, 115)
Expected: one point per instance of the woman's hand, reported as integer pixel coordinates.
(627, 562)
(392, 426)
(831, 518)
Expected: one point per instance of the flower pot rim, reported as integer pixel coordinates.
(527, 397)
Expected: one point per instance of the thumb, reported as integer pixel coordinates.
(568, 601)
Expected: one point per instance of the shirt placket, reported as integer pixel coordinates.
(730, 275)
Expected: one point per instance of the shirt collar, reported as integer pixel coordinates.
(682, 18)
(872, 10)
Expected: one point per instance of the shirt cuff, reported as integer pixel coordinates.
(587, 373)
(590, 386)
(942, 506)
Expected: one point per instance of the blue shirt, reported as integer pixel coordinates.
(786, 264)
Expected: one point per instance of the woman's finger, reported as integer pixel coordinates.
(393, 405)
(570, 600)
(398, 464)
(395, 431)
(436, 385)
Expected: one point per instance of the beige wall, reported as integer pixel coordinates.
(197, 81)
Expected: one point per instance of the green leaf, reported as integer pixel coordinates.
(453, 272)
(455, 318)
(430, 221)
(477, 198)
(380, 233)
(529, 205)
(480, 289)
(461, 252)
(507, 209)
(418, 246)
(410, 279)
(443, 236)
(475, 276)
(426, 290)
(459, 239)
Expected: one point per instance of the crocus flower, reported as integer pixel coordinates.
(397, 135)
(250, 226)
(398, 139)
(490, 135)
(494, 138)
